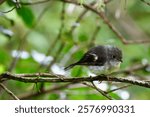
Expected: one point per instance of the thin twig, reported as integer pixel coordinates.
(53, 45)
(95, 33)
(148, 3)
(113, 90)
(106, 92)
(4, 12)
(80, 17)
(9, 92)
(102, 92)
(77, 21)
(106, 21)
(59, 37)
(23, 41)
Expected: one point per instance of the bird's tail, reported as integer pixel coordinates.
(70, 66)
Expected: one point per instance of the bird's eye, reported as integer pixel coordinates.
(113, 56)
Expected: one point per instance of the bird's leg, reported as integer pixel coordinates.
(90, 76)
(99, 82)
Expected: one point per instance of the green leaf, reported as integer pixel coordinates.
(115, 96)
(84, 93)
(53, 96)
(2, 69)
(10, 3)
(4, 56)
(76, 71)
(27, 15)
(24, 66)
(83, 37)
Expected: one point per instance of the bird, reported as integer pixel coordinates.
(102, 59)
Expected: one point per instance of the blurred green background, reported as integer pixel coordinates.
(43, 38)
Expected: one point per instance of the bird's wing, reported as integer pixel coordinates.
(90, 59)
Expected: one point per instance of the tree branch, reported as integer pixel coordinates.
(9, 92)
(148, 3)
(40, 77)
(2, 1)
(108, 23)
(3, 12)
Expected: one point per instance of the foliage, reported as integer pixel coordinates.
(51, 39)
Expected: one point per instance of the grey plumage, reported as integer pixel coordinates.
(100, 56)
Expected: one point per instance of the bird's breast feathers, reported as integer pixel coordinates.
(107, 68)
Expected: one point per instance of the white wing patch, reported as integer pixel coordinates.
(95, 56)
